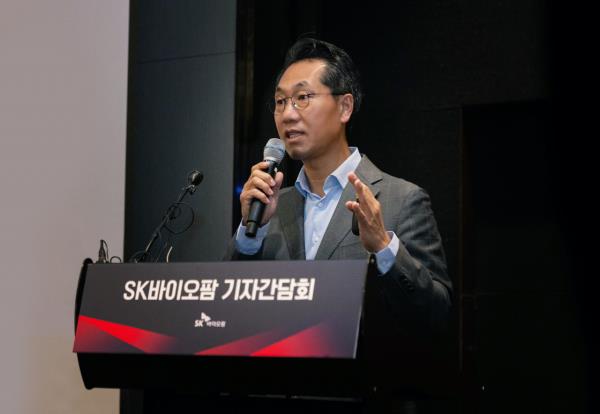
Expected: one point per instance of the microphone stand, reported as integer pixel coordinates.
(167, 217)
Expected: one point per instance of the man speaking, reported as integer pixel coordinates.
(317, 92)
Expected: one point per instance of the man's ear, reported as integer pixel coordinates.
(346, 107)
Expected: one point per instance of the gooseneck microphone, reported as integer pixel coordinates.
(194, 179)
(273, 153)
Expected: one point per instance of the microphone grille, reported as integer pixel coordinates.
(274, 150)
(195, 177)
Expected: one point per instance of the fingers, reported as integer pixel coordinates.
(278, 182)
(261, 186)
(257, 188)
(368, 213)
(260, 166)
(366, 207)
(363, 192)
(258, 173)
(354, 207)
(357, 209)
(260, 179)
(248, 195)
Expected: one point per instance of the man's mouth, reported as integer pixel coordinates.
(292, 134)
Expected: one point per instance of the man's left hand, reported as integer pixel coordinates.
(373, 235)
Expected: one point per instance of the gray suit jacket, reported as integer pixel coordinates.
(417, 286)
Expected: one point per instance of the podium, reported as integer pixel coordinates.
(301, 328)
(240, 327)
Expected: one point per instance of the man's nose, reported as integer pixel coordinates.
(290, 112)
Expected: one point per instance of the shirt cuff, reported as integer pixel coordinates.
(250, 245)
(386, 257)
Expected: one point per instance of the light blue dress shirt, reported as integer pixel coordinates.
(317, 215)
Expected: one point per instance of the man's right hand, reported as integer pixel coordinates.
(263, 187)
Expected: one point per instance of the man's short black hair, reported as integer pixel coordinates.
(341, 75)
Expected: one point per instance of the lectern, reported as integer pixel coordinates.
(267, 327)
(301, 328)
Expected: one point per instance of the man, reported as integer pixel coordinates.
(316, 95)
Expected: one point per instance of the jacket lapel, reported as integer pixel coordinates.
(291, 213)
(341, 221)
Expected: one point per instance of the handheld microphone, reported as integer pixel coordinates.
(273, 153)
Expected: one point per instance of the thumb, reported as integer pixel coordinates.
(278, 182)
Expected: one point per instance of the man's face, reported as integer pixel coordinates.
(315, 131)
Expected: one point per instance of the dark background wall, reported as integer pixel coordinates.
(180, 118)
(464, 98)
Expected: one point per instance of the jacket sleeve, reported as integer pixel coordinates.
(417, 286)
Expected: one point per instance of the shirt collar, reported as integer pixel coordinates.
(338, 177)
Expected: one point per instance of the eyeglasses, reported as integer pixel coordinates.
(300, 100)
